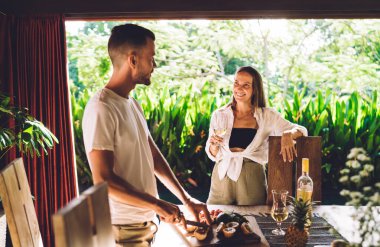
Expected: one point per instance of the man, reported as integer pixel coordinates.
(120, 148)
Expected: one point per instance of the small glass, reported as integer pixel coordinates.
(220, 127)
(279, 210)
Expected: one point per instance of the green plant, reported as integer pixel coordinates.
(77, 108)
(343, 122)
(179, 121)
(19, 129)
(362, 190)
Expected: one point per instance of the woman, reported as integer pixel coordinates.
(241, 154)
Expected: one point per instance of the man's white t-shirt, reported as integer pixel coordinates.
(114, 123)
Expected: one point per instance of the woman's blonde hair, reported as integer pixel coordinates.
(258, 97)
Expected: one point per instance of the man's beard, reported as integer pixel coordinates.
(144, 80)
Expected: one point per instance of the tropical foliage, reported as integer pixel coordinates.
(343, 122)
(323, 74)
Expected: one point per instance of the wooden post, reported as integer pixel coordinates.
(72, 225)
(280, 173)
(18, 206)
(85, 221)
(100, 217)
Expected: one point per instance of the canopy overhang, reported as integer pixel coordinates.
(194, 9)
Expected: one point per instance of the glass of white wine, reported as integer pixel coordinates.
(220, 127)
(279, 210)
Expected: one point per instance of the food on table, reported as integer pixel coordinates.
(220, 228)
(233, 224)
(224, 217)
(229, 217)
(214, 213)
(229, 232)
(246, 228)
(238, 218)
(201, 233)
(229, 224)
(190, 228)
(297, 234)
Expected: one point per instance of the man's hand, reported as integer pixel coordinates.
(168, 212)
(195, 207)
(288, 149)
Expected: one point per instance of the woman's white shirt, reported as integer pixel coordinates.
(270, 123)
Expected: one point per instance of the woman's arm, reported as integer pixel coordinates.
(288, 149)
(289, 132)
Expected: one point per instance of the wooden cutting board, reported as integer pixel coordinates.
(213, 240)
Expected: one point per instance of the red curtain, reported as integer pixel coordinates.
(34, 71)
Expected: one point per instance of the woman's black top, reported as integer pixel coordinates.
(241, 137)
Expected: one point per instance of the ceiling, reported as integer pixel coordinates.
(181, 9)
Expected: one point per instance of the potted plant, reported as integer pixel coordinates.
(20, 130)
(26, 133)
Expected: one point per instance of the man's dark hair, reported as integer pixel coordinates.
(128, 34)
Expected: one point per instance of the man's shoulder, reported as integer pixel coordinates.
(104, 98)
(99, 103)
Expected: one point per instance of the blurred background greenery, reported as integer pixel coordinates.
(322, 74)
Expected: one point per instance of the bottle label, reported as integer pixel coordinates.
(305, 195)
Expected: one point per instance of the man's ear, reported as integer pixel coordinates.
(132, 59)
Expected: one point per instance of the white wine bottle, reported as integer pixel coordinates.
(305, 183)
(305, 188)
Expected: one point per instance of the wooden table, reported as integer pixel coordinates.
(337, 216)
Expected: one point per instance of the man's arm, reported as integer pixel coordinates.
(167, 177)
(121, 190)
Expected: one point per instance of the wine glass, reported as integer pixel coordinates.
(279, 211)
(220, 127)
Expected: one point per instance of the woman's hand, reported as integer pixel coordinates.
(288, 149)
(215, 143)
(195, 207)
(216, 140)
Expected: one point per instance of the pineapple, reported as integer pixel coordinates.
(297, 234)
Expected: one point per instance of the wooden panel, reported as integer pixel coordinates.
(18, 206)
(100, 217)
(72, 225)
(280, 173)
(175, 9)
(311, 148)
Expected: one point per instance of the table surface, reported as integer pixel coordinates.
(337, 216)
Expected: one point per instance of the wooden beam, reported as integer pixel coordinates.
(280, 173)
(211, 9)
